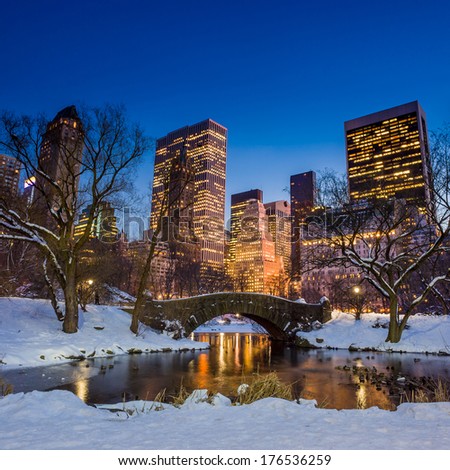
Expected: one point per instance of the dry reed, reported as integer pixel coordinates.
(264, 386)
(435, 391)
(5, 388)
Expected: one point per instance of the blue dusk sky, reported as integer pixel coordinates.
(282, 76)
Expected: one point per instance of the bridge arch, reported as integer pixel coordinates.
(280, 317)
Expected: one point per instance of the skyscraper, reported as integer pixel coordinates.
(388, 156)
(256, 264)
(9, 175)
(189, 174)
(60, 158)
(238, 204)
(279, 225)
(303, 200)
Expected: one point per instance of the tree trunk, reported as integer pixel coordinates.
(70, 324)
(51, 293)
(395, 329)
(140, 296)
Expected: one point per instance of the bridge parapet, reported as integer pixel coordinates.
(280, 317)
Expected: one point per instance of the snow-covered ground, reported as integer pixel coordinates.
(60, 420)
(425, 333)
(31, 336)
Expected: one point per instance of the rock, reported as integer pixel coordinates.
(301, 342)
(242, 389)
(220, 400)
(197, 396)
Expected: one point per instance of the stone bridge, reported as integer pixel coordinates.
(280, 317)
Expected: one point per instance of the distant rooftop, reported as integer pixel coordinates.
(70, 112)
(396, 111)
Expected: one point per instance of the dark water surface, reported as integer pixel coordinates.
(232, 360)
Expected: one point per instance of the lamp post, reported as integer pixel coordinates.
(96, 296)
(357, 292)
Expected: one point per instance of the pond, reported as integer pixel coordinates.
(335, 378)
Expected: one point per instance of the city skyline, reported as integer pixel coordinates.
(282, 79)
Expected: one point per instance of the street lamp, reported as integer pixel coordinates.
(96, 296)
(357, 292)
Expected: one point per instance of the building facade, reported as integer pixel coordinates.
(279, 224)
(189, 189)
(104, 224)
(239, 202)
(256, 266)
(9, 176)
(388, 156)
(303, 192)
(60, 159)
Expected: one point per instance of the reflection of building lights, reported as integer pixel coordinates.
(82, 389)
(361, 398)
(203, 370)
(82, 383)
(222, 362)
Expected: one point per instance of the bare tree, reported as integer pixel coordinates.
(89, 161)
(389, 242)
(278, 284)
(345, 294)
(168, 208)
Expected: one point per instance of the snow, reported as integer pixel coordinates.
(426, 333)
(30, 335)
(60, 420)
(119, 296)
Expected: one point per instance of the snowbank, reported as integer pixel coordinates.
(426, 333)
(60, 420)
(30, 335)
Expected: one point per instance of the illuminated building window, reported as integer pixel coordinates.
(379, 148)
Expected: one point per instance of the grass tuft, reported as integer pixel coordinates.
(158, 401)
(5, 388)
(264, 386)
(434, 391)
(180, 398)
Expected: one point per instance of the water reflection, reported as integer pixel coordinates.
(232, 359)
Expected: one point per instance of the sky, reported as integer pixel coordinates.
(283, 76)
